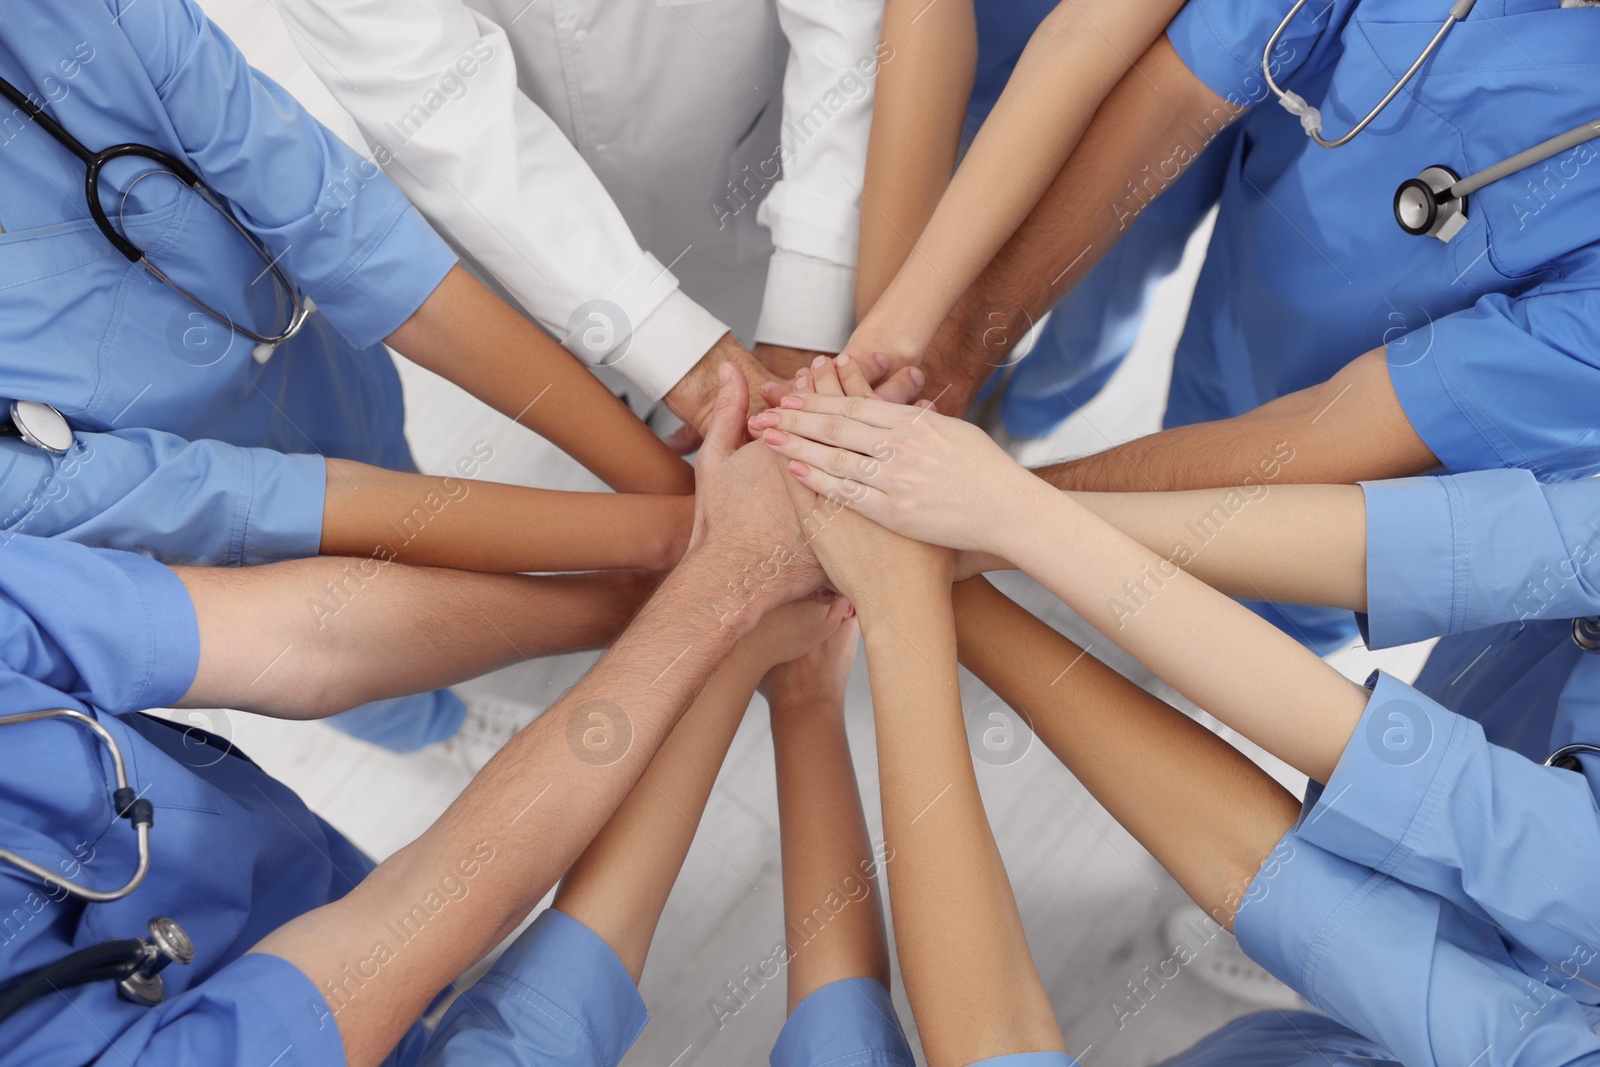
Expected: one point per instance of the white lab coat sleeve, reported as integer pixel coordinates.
(814, 212)
(432, 85)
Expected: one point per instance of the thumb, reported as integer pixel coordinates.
(726, 430)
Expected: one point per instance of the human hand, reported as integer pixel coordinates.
(695, 394)
(859, 379)
(922, 474)
(862, 559)
(818, 678)
(794, 630)
(744, 520)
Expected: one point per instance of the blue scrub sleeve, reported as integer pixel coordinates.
(849, 1022)
(109, 629)
(1464, 552)
(1508, 382)
(1420, 796)
(182, 502)
(1222, 41)
(338, 226)
(1397, 965)
(258, 1009)
(559, 997)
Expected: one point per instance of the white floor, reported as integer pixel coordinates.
(1093, 900)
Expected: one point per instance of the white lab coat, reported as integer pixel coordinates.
(586, 155)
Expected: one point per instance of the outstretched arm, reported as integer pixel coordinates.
(308, 638)
(538, 802)
(1296, 707)
(448, 521)
(1350, 428)
(472, 337)
(620, 884)
(963, 953)
(824, 834)
(924, 82)
(1073, 60)
(1205, 811)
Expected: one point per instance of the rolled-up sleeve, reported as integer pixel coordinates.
(1393, 963)
(182, 502)
(337, 225)
(1508, 382)
(1420, 795)
(109, 629)
(1451, 554)
(559, 996)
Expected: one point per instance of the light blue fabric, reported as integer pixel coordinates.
(234, 854)
(1405, 968)
(1283, 1039)
(848, 1023)
(1443, 821)
(190, 451)
(1029, 1059)
(558, 997)
(1092, 329)
(1492, 338)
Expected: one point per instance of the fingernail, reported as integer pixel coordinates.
(766, 418)
(725, 372)
(774, 437)
(843, 360)
(819, 362)
(918, 379)
(882, 360)
(798, 469)
(791, 402)
(924, 403)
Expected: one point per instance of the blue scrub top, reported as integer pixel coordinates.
(1493, 340)
(234, 854)
(203, 454)
(1437, 895)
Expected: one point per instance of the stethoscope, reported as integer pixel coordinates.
(1586, 635)
(133, 963)
(46, 428)
(1433, 204)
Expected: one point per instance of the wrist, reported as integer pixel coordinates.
(729, 591)
(895, 606)
(1037, 514)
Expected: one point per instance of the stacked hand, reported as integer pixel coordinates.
(908, 468)
(864, 560)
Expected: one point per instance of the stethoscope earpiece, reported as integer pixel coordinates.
(1424, 206)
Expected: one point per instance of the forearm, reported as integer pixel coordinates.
(1297, 544)
(468, 335)
(963, 954)
(920, 103)
(1207, 813)
(308, 638)
(1159, 116)
(1350, 428)
(533, 808)
(488, 526)
(825, 849)
(1074, 59)
(620, 884)
(1222, 656)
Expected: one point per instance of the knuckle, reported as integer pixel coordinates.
(855, 408)
(832, 428)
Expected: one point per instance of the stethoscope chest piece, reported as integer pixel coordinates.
(41, 425)
(1424, 207)
(166, 944)
(1586, 634)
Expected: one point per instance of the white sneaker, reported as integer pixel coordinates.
(489, 724)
